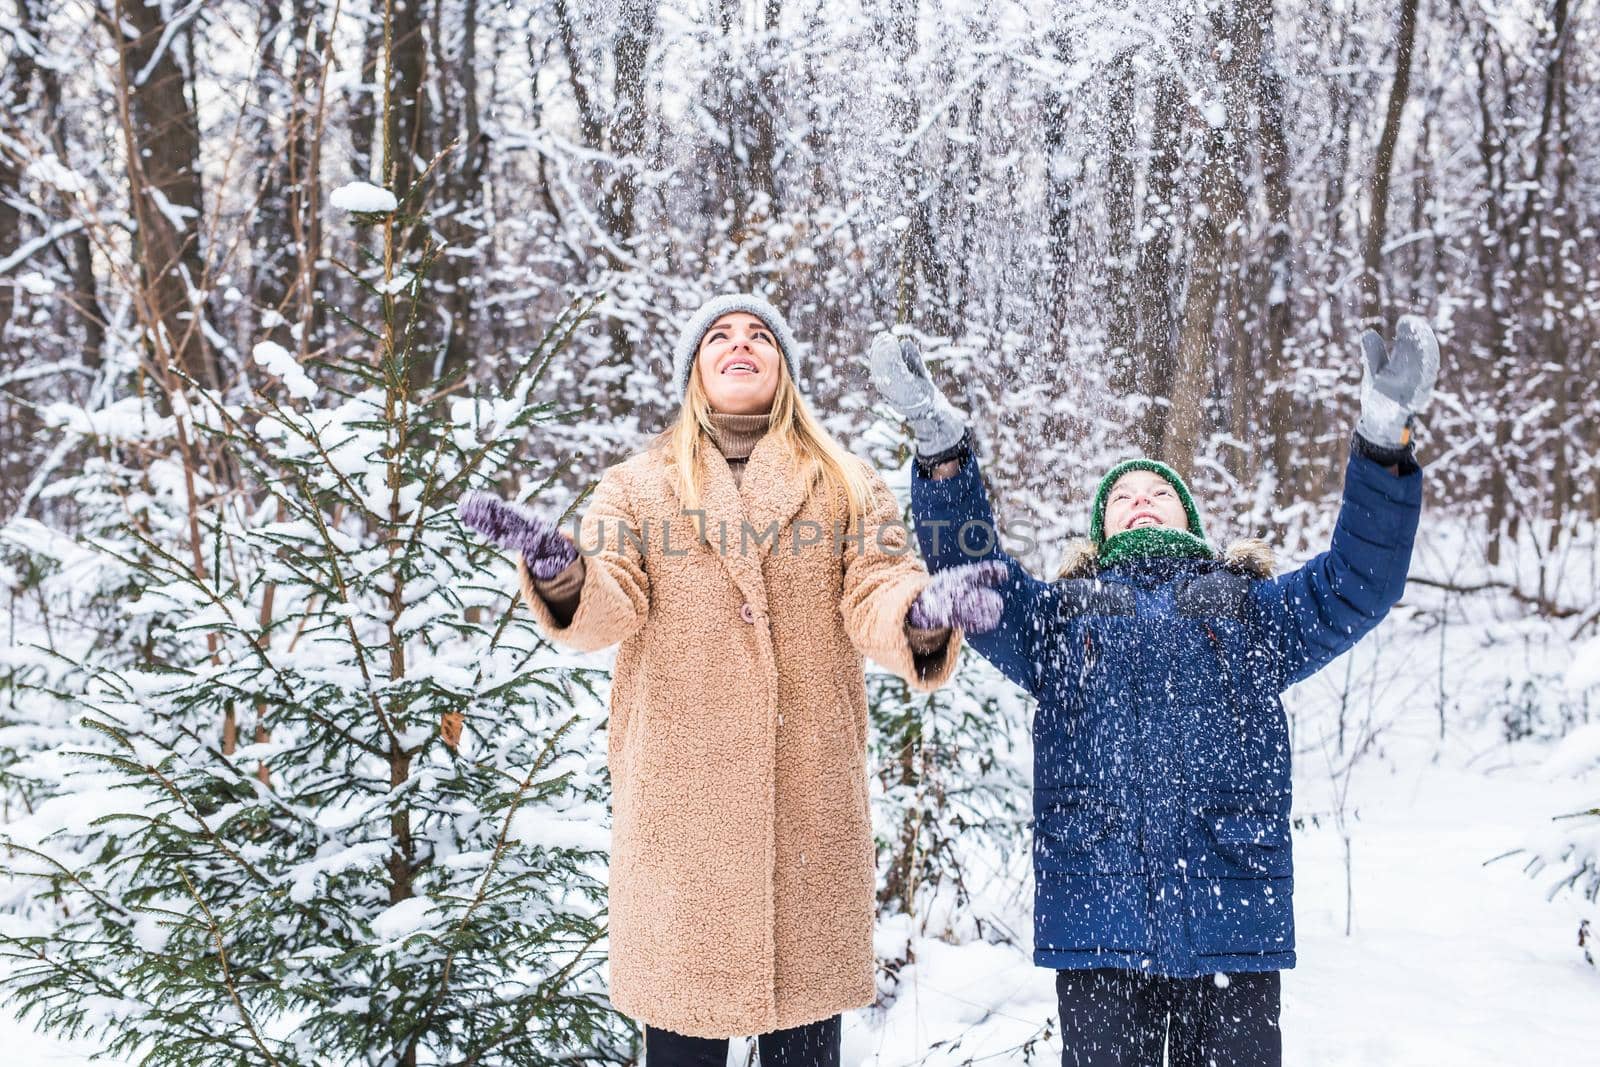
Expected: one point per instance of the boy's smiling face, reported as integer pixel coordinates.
(1143, 498)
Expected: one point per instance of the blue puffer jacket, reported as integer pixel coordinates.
(1161, 750)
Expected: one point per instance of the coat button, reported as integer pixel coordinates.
(747, 613)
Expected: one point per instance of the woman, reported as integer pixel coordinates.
(1162, 868)
(746, 563)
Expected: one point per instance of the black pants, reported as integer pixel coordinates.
(1116, 1018)
(812, 1045)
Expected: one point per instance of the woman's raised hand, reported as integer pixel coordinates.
(963, 597)
(1396, 382)
(898, 373)
(545, 549)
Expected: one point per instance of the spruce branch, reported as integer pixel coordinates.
(502, 841)
(227, 975)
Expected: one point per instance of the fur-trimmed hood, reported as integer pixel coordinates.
(1249, 556)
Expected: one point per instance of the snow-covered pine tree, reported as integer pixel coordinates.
(360, 882)
(66, 598)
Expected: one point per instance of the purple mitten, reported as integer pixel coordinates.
(963, 597)
(543, 547)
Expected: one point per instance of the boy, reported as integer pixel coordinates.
(1162, 866)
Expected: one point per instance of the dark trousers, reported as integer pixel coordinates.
(1116, 1018)
(812, 1045)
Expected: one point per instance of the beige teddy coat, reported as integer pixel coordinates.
(742, 862)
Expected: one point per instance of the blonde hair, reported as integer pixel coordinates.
(811, 451)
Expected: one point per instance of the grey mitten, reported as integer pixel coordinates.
(545, 550)
(963, 597)
(899, 374)
(1397, 382)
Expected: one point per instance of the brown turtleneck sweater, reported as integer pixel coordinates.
(735, 437)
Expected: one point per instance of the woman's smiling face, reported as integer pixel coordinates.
(739, 363)
(1143, 498)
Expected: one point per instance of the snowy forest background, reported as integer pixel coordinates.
(287, 777)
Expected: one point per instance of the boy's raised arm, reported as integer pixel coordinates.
(1320, 610)
(954, 523)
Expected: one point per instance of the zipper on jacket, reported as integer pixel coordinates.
(1233, 690)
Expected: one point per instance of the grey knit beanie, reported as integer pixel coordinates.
(695, 329)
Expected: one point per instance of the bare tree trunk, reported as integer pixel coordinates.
(1222, 203)
(1492, 155)
(31, 89)
(1243, 366)
(763, 112)
(305, 160)
(1564, 490)
(1383, 166)
(406, 120)
(1062, 174)
(627, 128)
(286, 230)
(1153, 301)
(815, 141)
(1257, 322)
(1273, 143)
(626, 135)
(1327, 264)
(963, 178)
(19, 424)
(622, 135)
(919, 252)
(810, 184)
(162, 141)
(365, 140)
(1121, 140)
(724, 188)
(1425, 259)
(161, 136)
(409, 142)
(461, 183)
(590, 121)
(269, 226)
(17, 82)
(742, 164)
(1531, 253)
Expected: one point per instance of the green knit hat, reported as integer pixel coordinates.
(1146, 541)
